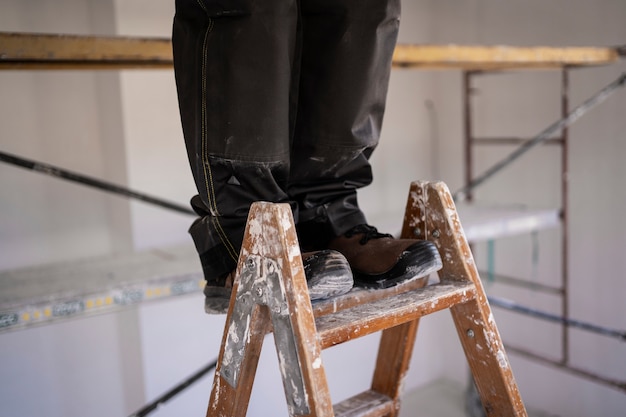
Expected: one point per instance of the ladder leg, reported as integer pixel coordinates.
(235, 371)
(271, 293)
(487, 359)
(435, 218)
(392, 363)
(396, 344)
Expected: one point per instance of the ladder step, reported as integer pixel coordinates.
(358, 296)
(366, 404)
(381, 314)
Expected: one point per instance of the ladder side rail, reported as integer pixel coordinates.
(268, 294)
(473, 319)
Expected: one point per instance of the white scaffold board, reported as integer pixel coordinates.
(44, 294)
(482, 223)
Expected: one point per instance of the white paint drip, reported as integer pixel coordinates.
(248, 333)
(228, 352)
(502, 359)
(216, 390)
(296, 397)
(232, 332)
(281, 364)
(294, 252)
(255, 230)
(285, 221)
(317, 363)
(489, 339)
(255, 227)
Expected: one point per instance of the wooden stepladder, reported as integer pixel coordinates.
(270, 294)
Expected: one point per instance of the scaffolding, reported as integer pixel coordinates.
(20, 51)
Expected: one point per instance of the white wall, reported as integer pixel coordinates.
(124, 127)
(66, 118)
(155, 152)
(73, 120)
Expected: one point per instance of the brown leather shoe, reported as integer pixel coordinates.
(380, 261)
(327, 274)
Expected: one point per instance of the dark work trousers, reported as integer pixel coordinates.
(280, 101)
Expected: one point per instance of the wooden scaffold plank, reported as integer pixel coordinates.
(55, 51)
(52, 51)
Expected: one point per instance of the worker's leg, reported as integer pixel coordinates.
(346, 61)
(235, 63)
(232, 62)
(347, 47)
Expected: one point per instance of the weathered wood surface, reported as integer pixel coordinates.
(57, 51)
(366, 404)
(392, 362)
(501, 57)
(396, 346)
(227, 400)
(270, 235)
(358, 296)
(51, 51)
(473, 319)
(369, 318)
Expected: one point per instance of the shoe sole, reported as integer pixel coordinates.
(418, 261)
(329, 273)
(216, 300)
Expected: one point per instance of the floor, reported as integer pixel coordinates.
(442, 398)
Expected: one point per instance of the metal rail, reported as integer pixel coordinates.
(55, 171)
(574, 370)
(546, 134)
(579, 324)
(165, 397)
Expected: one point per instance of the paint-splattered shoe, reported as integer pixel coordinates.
(379, 260)
(327, 273)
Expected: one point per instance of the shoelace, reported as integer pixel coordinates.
(369, 233)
